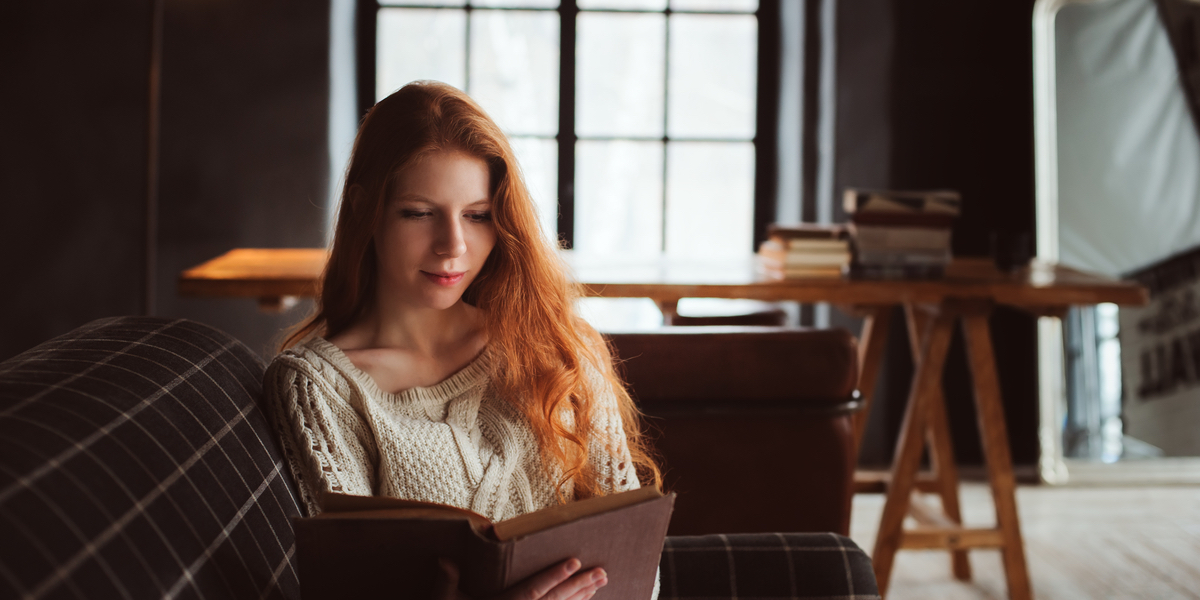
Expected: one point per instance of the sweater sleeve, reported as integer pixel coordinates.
(608, 452)
(326, 443)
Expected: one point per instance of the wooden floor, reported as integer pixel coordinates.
(1124, 543)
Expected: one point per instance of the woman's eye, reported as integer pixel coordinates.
(415, 214)
(479, 217)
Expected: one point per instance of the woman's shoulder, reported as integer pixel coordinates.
(313, 358)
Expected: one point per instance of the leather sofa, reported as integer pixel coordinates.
(136, 463)
(753, 425)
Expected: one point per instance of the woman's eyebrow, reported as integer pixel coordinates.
(411, 198)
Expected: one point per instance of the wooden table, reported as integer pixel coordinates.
(968, 293)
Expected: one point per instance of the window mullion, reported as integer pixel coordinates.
(467, 53)
(666, 117)
(568, 12)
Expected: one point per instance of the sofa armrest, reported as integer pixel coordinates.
(135, 462)
(765, 565)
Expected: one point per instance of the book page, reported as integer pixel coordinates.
(334, 505)
(564, 513)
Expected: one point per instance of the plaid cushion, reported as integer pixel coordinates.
(135, 463)
(765, 566)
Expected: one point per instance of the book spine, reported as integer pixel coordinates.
(807, 260)
(906, 238)
(806, 232)
(903, 258)
(901, 219)
(813, 245)
(802, 272)
(485, 566)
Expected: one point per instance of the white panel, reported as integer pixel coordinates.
(539, 166)
(624, 4)
(710, 199)
(1128, 153)
(414, 44)
(722, 5)
(711, 83)
(620, 74)
(514, 69)
(517, 3)
(618, 197)
(423, 2)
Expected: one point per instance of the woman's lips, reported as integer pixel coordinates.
(444, 278)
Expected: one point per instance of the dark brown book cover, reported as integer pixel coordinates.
(374, 547)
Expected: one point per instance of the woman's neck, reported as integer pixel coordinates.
(402, 349)
(422, 331)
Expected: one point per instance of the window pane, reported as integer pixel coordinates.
(620, 74)
(419, 44)
(422, 2)
(539, 165)
(710, 198)
(517, 3)
(730, 5)
(618, 197)
(712, 77)
(514, 69)
(626, 4)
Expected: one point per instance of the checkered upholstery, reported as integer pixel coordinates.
(135, 463)
(765, 566)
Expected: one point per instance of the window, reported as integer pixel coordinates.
(634, 121)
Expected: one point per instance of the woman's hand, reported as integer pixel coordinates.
(560, 582)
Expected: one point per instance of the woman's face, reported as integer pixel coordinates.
(436, 232)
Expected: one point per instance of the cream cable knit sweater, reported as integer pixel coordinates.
(454, 443)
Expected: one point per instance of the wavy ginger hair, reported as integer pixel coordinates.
(544, 349)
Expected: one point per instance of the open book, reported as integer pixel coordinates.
(372, 547)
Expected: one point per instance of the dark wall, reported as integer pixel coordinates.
(72, 155)
(243, 155)
(245, 145)
(940, 95)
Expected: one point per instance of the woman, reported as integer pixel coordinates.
(445, 361)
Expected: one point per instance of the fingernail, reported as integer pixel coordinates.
(573, 565)
(603, 582)
(599, 574)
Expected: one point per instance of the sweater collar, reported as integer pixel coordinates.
(474, 375)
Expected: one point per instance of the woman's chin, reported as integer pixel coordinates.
(445, 300)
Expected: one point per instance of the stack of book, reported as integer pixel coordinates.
(900, 235)
(804, 251)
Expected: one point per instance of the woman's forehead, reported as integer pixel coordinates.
(442, 175)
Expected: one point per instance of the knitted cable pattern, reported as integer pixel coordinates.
(455, 442)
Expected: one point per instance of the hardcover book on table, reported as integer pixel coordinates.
(930, 201)
(364, 546)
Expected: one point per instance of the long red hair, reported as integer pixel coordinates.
(544, 350)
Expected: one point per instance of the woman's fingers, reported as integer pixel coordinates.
(539, 585)
(590, 590)
(557, 583)
(580, 586)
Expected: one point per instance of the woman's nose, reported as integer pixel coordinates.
(451, 242)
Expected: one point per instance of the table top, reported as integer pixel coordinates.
(267, 273)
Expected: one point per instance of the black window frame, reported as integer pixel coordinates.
(765, 140)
